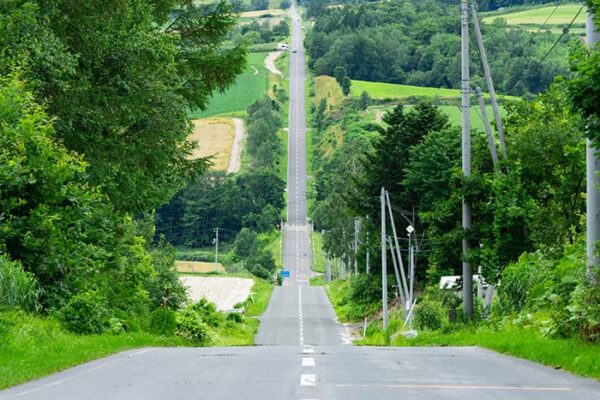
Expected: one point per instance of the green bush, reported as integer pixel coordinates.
(522, 280)
(236, 317)
(190, 326)
(430, 315)
(164, 287)
(207, 312)
(365, 289)
(163, 322)
(17, 287)
(88, 313)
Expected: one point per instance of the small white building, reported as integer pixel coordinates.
(283, 46)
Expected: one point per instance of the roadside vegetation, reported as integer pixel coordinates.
(528, 231)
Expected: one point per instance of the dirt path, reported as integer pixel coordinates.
(223, 292)
(270, 62)
(235, 160)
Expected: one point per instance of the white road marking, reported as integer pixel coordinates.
(308, 350)
(308, 380)
(308, 362)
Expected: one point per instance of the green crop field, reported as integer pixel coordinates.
(379, 90)
(249, 87)
(533, 18)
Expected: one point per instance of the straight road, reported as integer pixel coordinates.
(298, 313)
(301, 353)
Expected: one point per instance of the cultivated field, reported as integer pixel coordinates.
(379, 90)
(249, 87)
(533, 18)
(215, 138)
(199, 267)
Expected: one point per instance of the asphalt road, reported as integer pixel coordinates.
(301, 352)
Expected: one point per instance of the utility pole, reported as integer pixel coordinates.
(356, 232)
(383, 262)
(216, 249)
(368, 254)
(281, 244)
(466, 158)
(488, 129)
(488, 78)
(593, 167)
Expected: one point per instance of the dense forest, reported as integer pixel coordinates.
(418, 43)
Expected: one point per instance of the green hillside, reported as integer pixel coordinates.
(533, 18)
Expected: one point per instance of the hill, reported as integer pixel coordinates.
(533, 18)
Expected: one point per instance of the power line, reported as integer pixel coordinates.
(541, 27)
(539, 63)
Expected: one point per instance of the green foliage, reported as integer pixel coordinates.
(87, 313)
(522, 279)
(17, 287)
(117, 87)
(32, 346)
(163, 322)
(164, 288)
(365, 289)
(417, 43)
(246, 243)
(207, 312)
(190, 326)
(430, 315)
(238, 318)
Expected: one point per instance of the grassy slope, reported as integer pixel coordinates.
(38, 346)
(538, 15)
(327, 87)
(249, 87)
(569, 354)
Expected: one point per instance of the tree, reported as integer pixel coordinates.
(57, 226)
(120, 77)
(345, 84)
(259, 4)
(365, 101)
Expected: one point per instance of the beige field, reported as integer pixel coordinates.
(215, 138)
(198, 267)
(261, 13)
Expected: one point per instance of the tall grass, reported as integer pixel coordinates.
(18, 288)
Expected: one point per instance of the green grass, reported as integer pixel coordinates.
(392, 91)
(317, 281)
(249, 87)
(339, 294)
(32, 346)
(317, 243)
(233, 334)
(568, 354)
(536, 16)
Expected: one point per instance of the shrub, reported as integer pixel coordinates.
(164, 288)
(17, 287)
(88, 313)
(207, 312)
(365, 289)
(429, 315)
(189, 325)
(520, 280)
(235, 317)
(163, 322)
